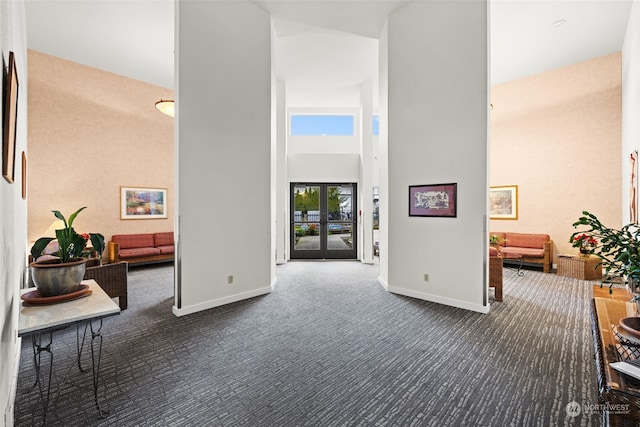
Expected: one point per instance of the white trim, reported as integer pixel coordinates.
(221, 301)
(384, 284)
(9, 409)
(438, 299)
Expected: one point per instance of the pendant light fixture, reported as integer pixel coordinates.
(166, 106)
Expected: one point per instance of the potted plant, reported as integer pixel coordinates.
(63, 273)
(619, 250)
(585, 243)
(495, 240)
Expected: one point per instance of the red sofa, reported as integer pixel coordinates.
(536, 249)
(143, 248)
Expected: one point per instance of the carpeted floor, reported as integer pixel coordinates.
(330, 347)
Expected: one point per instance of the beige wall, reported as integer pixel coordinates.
(91, 132)
(557, 135)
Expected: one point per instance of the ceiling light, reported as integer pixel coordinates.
(166, 106)
(559, 23)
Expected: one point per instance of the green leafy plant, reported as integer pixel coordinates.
(71, 244)
(494, 239)
(618, 249)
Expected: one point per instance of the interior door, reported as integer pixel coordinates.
(323, 221)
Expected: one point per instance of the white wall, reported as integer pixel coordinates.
(383, 155)
(323, 144)
(223, 59)
(630, 101)
(437, 133)
(323, 167)
(13, 211)
(365, 189)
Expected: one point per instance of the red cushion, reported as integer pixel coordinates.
(169, 249)
(526, 252)
(526, 240)
(163, 239)
(138, 252)
(128, 241)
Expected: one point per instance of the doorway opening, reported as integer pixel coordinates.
(323, 221)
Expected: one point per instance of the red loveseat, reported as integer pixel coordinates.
(536, 249)
(137, 249)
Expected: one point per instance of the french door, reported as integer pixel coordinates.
(323, 221)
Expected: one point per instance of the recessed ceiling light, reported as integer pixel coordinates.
(559, 23)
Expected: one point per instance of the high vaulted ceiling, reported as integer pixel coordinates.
(135, 38)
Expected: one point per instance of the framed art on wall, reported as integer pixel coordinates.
(503, 202)
(10, 116)
(433, 200)
(633, 187)
(24, 176)
(143, 203)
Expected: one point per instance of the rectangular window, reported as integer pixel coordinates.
(376, 125)
(321, 125)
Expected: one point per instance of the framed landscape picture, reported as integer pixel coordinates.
(433, 200)
(143, 203)
(503, 202)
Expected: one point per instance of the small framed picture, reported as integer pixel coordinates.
(503, 202)
(24, 176)
(10, 120)
(433, 200)
(143, 203)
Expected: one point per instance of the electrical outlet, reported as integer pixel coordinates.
(426, 277)
(230, 279)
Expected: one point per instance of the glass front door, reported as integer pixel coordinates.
(323, 221)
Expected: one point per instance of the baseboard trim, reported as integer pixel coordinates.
(220, 301)
(384, 284)
(438, 299)
(13, 388)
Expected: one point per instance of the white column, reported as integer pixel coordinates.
(224, 141)
(366, 172)
(282, 184)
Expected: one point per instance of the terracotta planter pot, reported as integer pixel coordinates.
(52, 277)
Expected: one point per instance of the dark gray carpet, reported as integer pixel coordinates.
(329, 347)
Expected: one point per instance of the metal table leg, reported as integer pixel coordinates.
(38, 349)
(96, 357)
(519, 272)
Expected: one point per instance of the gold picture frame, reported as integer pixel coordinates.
(503, 202)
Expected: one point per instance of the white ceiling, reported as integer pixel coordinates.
(135, 38)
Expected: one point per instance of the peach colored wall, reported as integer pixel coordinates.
(90, 132)
(557, 135)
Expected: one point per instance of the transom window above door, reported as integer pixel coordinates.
(322, 125)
